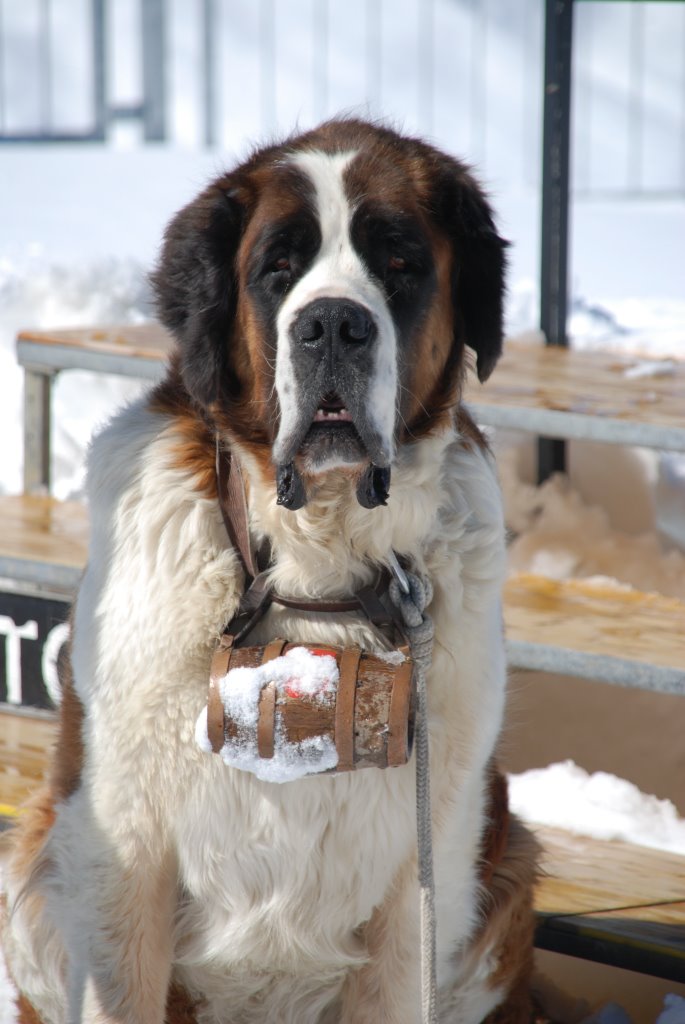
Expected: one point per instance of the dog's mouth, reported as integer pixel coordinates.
(332, 411)
(335, 437)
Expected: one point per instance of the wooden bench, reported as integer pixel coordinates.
(596, 630)
(43, 542)
(547, 391)
(132, 351)
(25, 743)
(612, 902)
(615, 903)
(595, 396)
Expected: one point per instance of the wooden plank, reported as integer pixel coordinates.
(590, 389)
(666, 914)
(141, 341)
(589, 383)
(25, 744)
(568, 393)
(602, 618)
(42, 529)
(582, 875)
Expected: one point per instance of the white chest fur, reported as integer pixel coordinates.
(279, 879)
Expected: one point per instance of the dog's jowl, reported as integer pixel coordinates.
(245, 852)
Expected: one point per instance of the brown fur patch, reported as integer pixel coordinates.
(470, 432)
(508, 930)
(27, 841)
(497, 833)
(26, 1013)
(434, 383)
(31, 830)
(180, 1008)
(67, 758)
(193, 450)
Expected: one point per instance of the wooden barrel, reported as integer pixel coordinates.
(369, 718)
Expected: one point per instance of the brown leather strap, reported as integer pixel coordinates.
(344, 707)
(233, 505)
(221, 662)
(351, 605)
(253, 605)
(398, 714)
(266, 722)
(258, 595)
(274, 649)
(370, 601)
(367, 600)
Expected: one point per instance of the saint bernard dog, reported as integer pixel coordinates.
(322, 296)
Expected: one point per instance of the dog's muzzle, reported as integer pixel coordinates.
(333, 349)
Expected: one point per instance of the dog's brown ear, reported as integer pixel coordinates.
(195, 288)
(478, 284)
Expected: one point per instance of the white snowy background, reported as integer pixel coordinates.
(80, 227)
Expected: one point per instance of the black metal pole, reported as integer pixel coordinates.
(154, 70)
(209, 29)
(100, 113)
(556, 135)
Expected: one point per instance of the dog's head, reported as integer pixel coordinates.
(322, 295)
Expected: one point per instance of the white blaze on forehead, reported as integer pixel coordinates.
(337, 272)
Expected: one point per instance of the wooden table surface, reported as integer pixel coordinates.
(582, 875)
(613, 902)
(143, 341)
(603, 617)
(42, 529)
(25, 744)
(595, 395)
(603, 396)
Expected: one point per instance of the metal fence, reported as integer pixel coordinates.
(467, 73)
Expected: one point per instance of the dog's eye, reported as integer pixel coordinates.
(398, 264)
(278, 266)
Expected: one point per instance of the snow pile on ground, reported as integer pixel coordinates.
(618, 512)
(299, 673)
(556, 533)
(599, 805)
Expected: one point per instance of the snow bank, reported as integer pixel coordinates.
(299, 673)
(556, 533)
(599, 805)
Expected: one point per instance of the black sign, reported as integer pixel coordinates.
(32, 635)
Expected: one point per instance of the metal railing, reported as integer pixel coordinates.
(466, 72)
(38, 50)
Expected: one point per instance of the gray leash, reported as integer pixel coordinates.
(411, 594)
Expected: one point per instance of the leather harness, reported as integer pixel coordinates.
(259, 594)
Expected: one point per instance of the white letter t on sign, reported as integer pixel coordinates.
(13, 636)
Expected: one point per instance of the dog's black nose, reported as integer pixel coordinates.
(330, 322)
